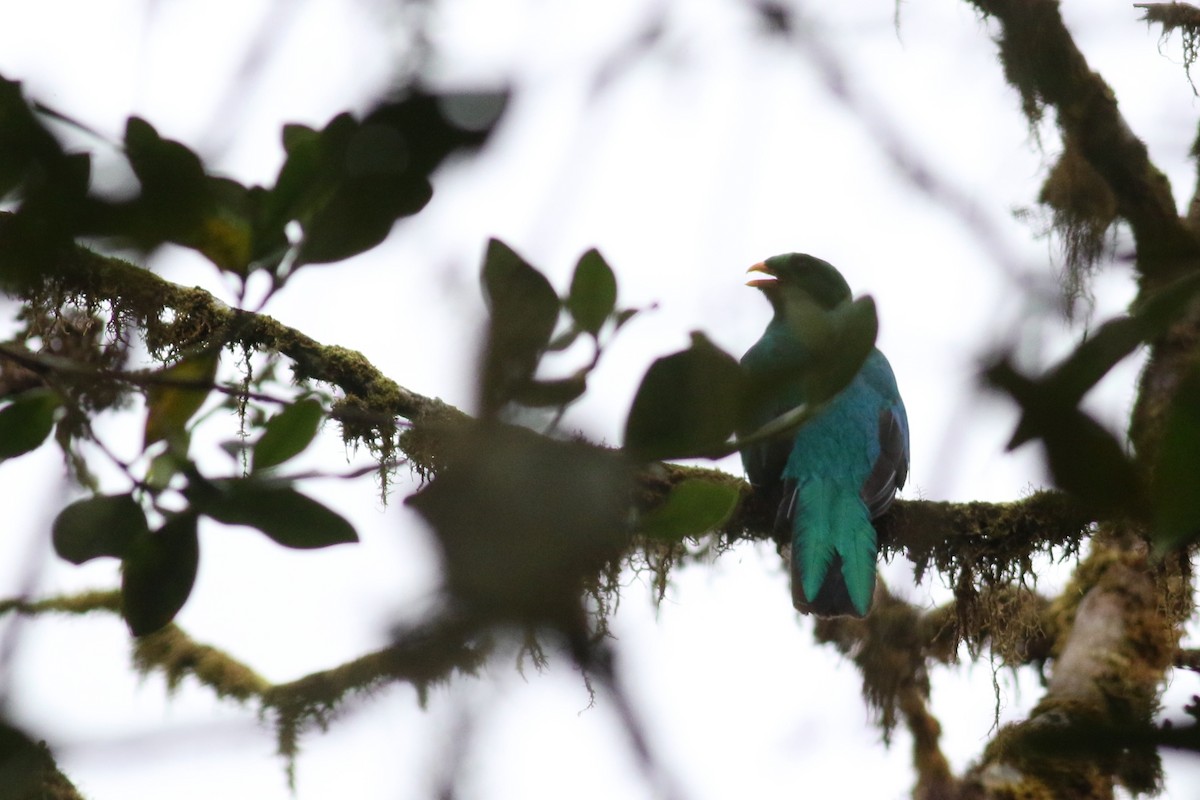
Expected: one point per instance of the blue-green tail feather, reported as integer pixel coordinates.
(833, 550)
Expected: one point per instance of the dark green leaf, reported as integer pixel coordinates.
(1163, 306)
(52, 187)
(839, 341)
(524, 521)
(282, 513)
(550, 394)
(624, 315)
(376, 186)
(563, 341)
(310, 173)
(593, 292)
(174, 185)
(163, 467)
(435, 126)
(348, 184)
(1176, 501)
(693, 507)
(1116, 339)
(1084, 458)
(158, 573)
(24, 140)
(25, 764)
(297, 137)
(229, 234)
(524, 310)
(161, 164)
(26, 422)
(687, 405)
(287, 433)
(177, 394)
(98, 526)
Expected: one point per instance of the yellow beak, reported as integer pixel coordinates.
(768, 278)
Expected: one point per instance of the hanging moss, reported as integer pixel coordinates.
(1172, 17)
(1084, 208)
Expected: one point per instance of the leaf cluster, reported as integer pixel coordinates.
(1087, 460)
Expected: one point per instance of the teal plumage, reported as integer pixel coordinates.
(842, 468)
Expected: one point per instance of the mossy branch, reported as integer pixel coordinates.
(983, 548)
(941, 535)
(421, 658)
(1117, 634)
(1044, 65)
(140, 295)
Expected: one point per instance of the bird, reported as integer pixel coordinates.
(840, 471)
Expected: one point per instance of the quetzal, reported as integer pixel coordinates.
(841, 469)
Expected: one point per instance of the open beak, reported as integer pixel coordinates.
(767, 279)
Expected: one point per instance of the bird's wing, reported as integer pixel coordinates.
(891, 466)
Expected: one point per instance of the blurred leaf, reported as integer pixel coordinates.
(525, 521)
(563, 341)
(181, 203)
(287, 433)
(226, 233)
(21, 136)
(624, 315)
(172, 403)
(1116, 339)
(524, 309)
(163, 166)
(437, 125)
(688, 403)
(308, 173)
(349, 183)
(593, 292)
(174, 186)
(25, 765)
(163, 467)
(375, 187)
(1158, 309)
(694, 506)
(282, 513)
(25, 143)
(1091, 361)
(839, 342)
(1084, 458)
(51, 186)
(552, 394)
(1174, 495)
(158, 573)
(26, 422)
(98, 526)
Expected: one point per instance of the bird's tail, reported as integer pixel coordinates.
(833, 550)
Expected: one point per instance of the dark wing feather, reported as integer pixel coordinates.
(891, 467)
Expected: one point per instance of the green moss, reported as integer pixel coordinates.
(1177, 16)
(1084, 207)
(176, 655)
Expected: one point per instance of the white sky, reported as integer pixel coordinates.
(688, 165)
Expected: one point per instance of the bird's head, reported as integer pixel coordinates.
(800, 276)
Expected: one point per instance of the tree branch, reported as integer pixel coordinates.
(889, 648)
(943, 535)
(1042, 62)
(982, 547)
(1117, 639)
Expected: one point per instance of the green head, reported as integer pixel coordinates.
(798, 273)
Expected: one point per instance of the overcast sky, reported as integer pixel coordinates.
(684, 163)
